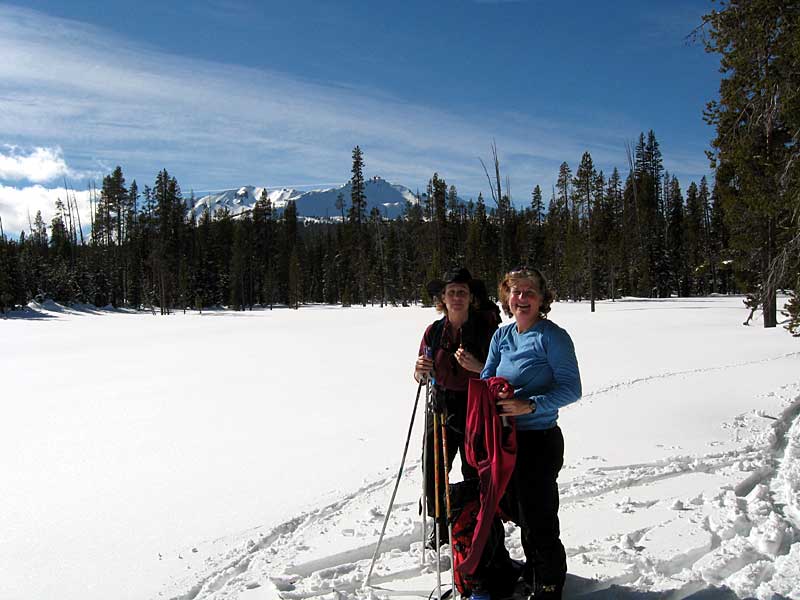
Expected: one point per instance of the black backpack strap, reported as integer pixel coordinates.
(476, 334)
(435, 334)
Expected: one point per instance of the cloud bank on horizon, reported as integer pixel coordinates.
(39, 165)
(79, 100)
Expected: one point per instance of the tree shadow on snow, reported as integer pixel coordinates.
(49, 310)
(580, 588)
(28, 314)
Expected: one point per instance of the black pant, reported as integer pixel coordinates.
(532, 500)
(456, 403)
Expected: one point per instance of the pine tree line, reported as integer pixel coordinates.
(597, 237)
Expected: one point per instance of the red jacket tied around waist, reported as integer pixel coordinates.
(492, 449)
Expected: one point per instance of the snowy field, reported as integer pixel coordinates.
(252, 455)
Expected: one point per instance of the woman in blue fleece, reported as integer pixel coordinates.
(538, 358)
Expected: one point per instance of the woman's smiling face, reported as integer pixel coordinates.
(525, 301)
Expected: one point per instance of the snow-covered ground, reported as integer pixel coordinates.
(252, 455)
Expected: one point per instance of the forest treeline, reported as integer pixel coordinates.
(597, 236)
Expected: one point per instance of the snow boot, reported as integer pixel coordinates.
(547, 592)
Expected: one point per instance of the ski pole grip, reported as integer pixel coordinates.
(428, 353)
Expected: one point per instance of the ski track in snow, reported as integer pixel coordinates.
(745, 537)
(631, 382)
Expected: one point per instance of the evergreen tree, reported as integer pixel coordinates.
(241, 276)
(757, 143)
(611, 233)
(560, 218)
(537, 206)
(437, 192)
(536, 238)
(39, 232)
(340, 204)
(295, 290)
(676, 250)
(695, 237)
(583, 198)
(719, 244)
(166, 259)
(358, 197)
(356, 238)
(12, 284)
(60, 238)
(264, 240)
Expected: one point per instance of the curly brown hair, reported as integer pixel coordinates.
(535, 276)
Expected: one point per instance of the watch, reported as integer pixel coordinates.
(533, 405)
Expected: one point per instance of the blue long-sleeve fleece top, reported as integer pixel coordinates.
(540, 363)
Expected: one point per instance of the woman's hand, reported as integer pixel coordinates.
(423, 368)
(506, 395)
(468, 361)
(513, 407)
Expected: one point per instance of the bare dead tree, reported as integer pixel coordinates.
(78, 216)
(91, 208)
(494, 187)
(70, 226)
(497, 195)
(75, 231)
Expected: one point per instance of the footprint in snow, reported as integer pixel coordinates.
(282, 585)
(678, 505)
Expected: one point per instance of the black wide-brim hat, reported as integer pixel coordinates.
(460, 275)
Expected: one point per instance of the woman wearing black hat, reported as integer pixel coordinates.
(457, 345)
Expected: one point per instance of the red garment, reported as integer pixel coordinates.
(492, 449)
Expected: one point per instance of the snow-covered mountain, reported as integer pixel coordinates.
(243, 198)
(389, 198)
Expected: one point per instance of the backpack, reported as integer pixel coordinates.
(496, 573)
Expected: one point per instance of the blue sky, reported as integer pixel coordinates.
(229, 92)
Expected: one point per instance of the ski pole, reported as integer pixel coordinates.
(425, 473)
(437, 507)
(396, 485)
(448, 511)
(428, 389)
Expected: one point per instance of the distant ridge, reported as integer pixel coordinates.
(388, 197)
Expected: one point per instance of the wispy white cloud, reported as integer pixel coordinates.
(38, 166)
(107, 100)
